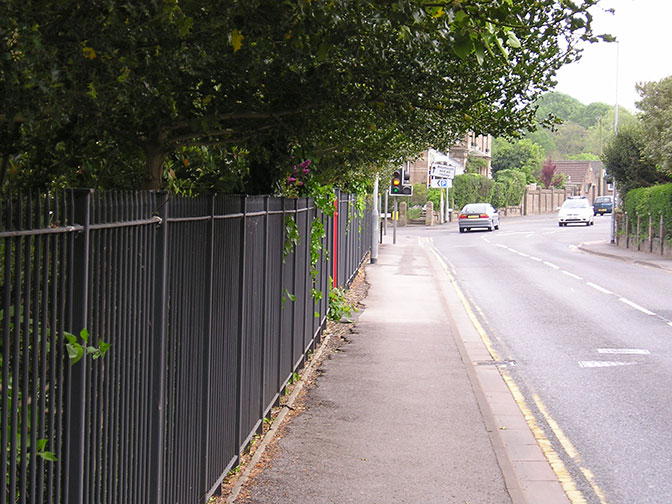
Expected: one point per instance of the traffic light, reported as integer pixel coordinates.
(399, 185)
(395, 183)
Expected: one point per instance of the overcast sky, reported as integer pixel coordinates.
(644, 31)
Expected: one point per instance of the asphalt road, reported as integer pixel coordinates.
(590, 341)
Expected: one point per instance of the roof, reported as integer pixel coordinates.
(577, 171)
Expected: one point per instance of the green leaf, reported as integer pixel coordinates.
(236, 40)
(512, 40)
(84, 334)
(49, 456)
(462, 45)
(75, 352)
(92, 91)
(41, 444)
(104, 347)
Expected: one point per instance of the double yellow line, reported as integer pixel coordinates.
(558, 466)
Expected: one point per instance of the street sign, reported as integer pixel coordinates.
(443, 171)
(440, 182)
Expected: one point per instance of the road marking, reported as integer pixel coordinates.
(501, 245)
(594, 364)
(512, 250)
(572, 275)
(557, 465)
(597, 287)
(636, 306)
(551, 265)
(535, 258)
(624, 351)
(523, 255)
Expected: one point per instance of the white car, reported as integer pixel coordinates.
(576, 210)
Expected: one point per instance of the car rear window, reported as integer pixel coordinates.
(575, 203)
(475, 209)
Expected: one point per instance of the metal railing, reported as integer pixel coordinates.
(206, 318)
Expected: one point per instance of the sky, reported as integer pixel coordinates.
(644, 31)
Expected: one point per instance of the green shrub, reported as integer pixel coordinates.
(654, 200)
(513, 190)
(471, 188)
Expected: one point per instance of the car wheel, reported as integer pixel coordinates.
(497, 226)
(462, 230)
(559, 224)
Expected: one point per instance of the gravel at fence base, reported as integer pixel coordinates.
(335, 336)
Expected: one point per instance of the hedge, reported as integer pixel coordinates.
(654, 200)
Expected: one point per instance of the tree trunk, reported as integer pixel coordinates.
(154, 157)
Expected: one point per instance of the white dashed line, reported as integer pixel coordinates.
(572, 275)
(535, 258)
(521, 254)
(624, 351)
(597, 287)
(551, 265)
(636, 306)
(512, 250)
(592, 364)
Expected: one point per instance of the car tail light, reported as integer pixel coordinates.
(483, 216)
(462, 216)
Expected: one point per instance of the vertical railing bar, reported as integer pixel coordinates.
(60, 360)
(241, 324)
(44, 352)
(135, 487)
(93, 381)
(36, 354)
(264, 312)
(17, 355)
(116, 356)
(74, 459)
(206, 352)
(6, 350)
(147, 262)
(281, 293)
(107, 283)
(24, 387)
(295, 258)
(308, 338)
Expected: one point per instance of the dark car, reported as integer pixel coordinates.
(603, 205)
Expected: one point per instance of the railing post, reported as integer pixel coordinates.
(207, 345)
(76, 374)
(639, 242)
(662, 235)
(241, 323)
(158, 354)
(650, 233)
(627, 230)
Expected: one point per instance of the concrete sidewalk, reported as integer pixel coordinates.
(634, 256)
(412, 410)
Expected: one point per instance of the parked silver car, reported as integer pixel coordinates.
(478, 215)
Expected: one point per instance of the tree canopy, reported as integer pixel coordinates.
(656, 120)
(109, 93)
(625, 161)
(523, 155)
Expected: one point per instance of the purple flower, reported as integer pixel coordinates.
(291, 180)
(299, 183)
(306, 171)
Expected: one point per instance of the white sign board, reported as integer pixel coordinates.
(440, 182)
(443, 171)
